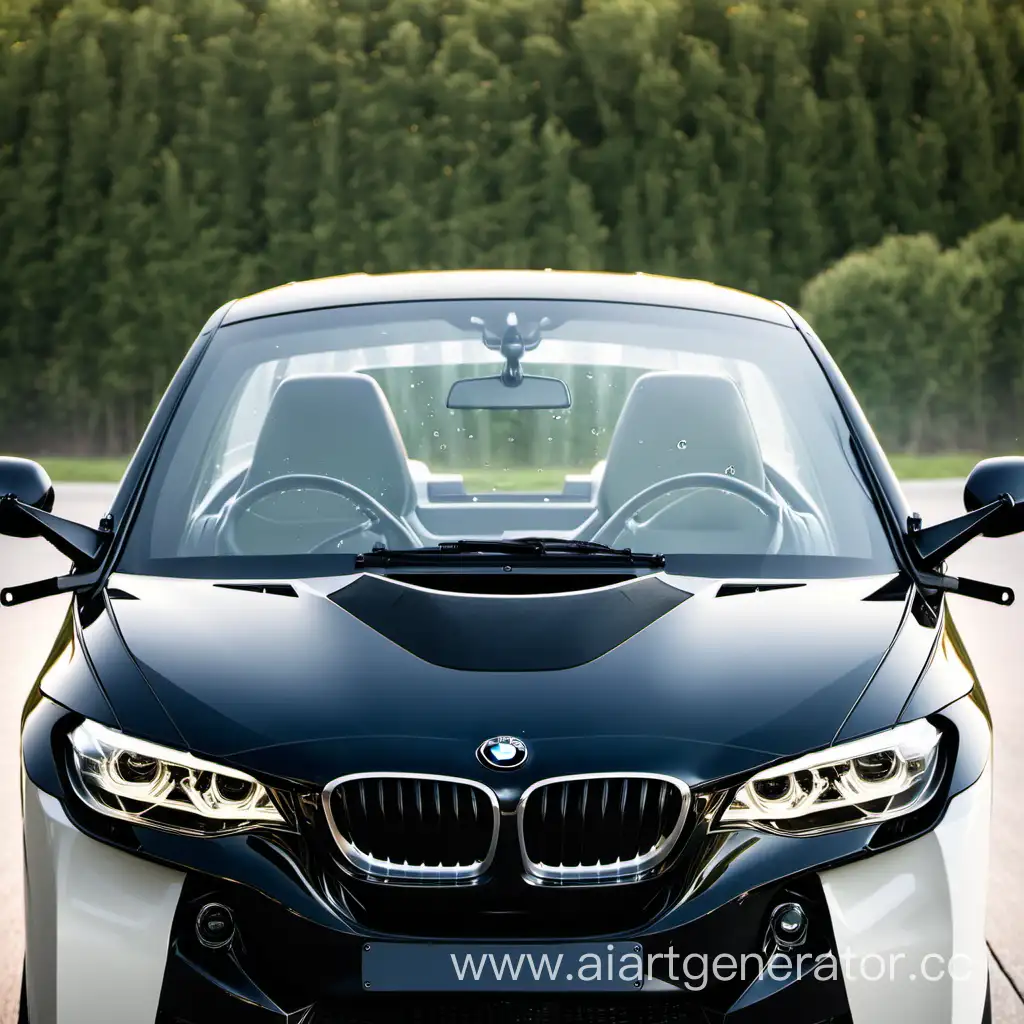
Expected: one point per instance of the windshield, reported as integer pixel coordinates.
(306, 438)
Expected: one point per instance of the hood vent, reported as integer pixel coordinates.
(733, 589)
(277, 589)
(497, 633)
(895, 589)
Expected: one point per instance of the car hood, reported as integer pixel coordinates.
(712, 682)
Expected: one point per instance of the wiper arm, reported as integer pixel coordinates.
(530, 548)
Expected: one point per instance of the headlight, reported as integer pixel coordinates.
(155, 785)
(871, 779)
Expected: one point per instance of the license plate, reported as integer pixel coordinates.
(509, 967)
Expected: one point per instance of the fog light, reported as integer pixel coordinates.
(788, 925)
(215, 926)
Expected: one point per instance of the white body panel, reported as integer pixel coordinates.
(910, 923)
(97, 923)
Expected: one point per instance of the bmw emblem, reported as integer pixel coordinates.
(502, 752)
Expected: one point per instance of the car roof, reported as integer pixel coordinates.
(648, 289)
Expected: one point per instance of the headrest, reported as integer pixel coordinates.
(675, 423)
(338, 425)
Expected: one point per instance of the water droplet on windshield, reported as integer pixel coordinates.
(730, 470)
(593, 430)
(475, 498)
(681, 445)
(437, 433)
(471, 437)
(590, 376)
(443, 447)
(511, 438)
(551, 439)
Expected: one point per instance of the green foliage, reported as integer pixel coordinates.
(159, 156)
(1000, 247)
(931, 339)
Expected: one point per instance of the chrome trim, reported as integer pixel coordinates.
(386, 869)
(521, 597)
(620, 871)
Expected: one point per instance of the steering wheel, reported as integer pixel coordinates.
(376, 514)
(761, 500)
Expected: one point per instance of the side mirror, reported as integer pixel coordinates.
(31, 485)
(991, 478)
(26, 497)
(993, 510)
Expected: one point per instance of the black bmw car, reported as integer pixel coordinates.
(507, 647)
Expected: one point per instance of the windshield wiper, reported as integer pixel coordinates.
(541, 549)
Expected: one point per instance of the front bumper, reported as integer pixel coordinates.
(894, 934)
(110, 940)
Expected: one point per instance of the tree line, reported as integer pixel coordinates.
(160, 156)
(931, 339)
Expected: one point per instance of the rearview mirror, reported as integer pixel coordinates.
(991, 478)
(31, 485)
(494, 393)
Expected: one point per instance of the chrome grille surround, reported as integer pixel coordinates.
(386, 869)
(625, 869)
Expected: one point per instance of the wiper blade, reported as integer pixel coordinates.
(488, 547)
(540, 545)
(540, 549)
(561, 545)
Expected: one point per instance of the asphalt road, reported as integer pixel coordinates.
(990, 633)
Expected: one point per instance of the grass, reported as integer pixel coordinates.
(549, 480)
(516, 478)
(82, 469)
(935, 467)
